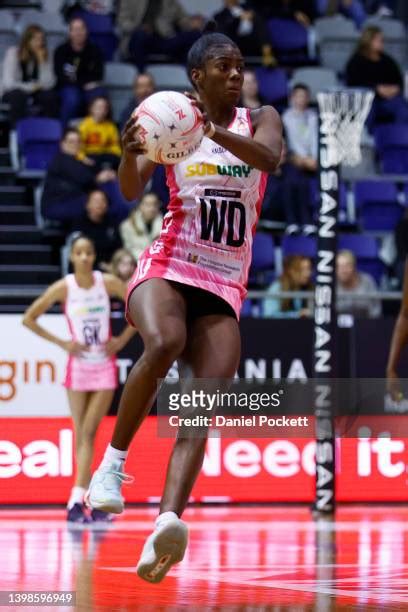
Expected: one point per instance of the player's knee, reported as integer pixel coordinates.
(164, 348)
(88, 435)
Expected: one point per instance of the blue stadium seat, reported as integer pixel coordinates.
(392, 146)
(273, 84)
(315, 200)
(289, 39)
(366, 251)
(263, 259)
(377, 205)
(299, 245)
(37, 141)
(246, 310)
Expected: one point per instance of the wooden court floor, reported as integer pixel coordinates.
(239, 559)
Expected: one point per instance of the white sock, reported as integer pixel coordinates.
(76, 497)
(164, 518)
(113, 454)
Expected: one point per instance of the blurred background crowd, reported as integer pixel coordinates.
(73, 71)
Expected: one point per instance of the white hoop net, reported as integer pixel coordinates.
(342, 117)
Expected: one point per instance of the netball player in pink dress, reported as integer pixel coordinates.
(91, 374)
(188, 288)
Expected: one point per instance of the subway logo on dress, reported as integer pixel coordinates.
(222, 170)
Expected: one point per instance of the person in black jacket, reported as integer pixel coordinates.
(97, 223)
(70, 177)
(371, 67)
(243, 25)
(143, 87)
(78, 66)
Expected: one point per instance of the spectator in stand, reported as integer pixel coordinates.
(100, 136)
(301, 127)
(250, 97)
(143, 87)
(371, 67)
(352, 287)
(122, 265)
(302, 11)
(156, 26)
(296, 276)
(70, 177)
(78, 65)
(28, 77)
(240, 22)
(97, 223)
(142, 226)
(353, 9)
(96, 7)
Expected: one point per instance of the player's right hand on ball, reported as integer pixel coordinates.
(131, 141)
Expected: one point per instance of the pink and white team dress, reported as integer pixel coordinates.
(88, 315)
(207, 233)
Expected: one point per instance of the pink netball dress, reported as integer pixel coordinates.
(207, 233)
(88, 315)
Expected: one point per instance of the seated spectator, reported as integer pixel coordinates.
(78, 65)
(97, 223)
(284, 199)
(143, 87)
(352, 9)
(296, 276)
(156, 27)
(301, 128)
(100, 138)
(70, 177)
(245, 27)
(352, 287)
(142, 226)
(382, 8)
(122, 265)
(371, 67)
(250, 97)
(28, 77)
(302, 11)
(96, 7)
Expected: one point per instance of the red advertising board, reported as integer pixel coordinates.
(36, 465)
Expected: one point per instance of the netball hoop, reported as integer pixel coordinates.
(342, 114)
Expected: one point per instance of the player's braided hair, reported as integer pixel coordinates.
(205, 46)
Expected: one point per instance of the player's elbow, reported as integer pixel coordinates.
(27, 320)
(270, 162)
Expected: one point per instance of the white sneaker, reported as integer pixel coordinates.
(104, 489)
(163, 548)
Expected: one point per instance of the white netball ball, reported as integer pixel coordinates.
(171, 128)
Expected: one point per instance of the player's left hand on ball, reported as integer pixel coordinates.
(198, 104)
(131, 143)
(113, 346)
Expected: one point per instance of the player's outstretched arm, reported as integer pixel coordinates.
(135, 169)
(399, 339)
(263, 151)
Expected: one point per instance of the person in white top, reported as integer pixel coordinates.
(28, 76)
(301, 131)
(91, 375)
